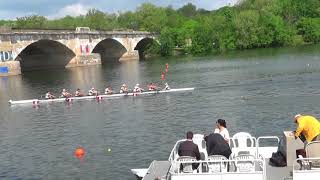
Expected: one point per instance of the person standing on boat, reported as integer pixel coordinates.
(49, 95)
(217, 145)
(124, 89)
(137, 89)
(78, 93)
(93, 92)
(308, 126)
(188, 148)
(222, 130)
(108, 91)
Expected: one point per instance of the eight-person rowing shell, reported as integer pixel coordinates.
(49, 95)
(137, 89)
(78, 93)
(124, 89)
(93, 92)
(108, 91)
(65, 94)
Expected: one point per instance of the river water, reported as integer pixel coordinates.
(257, 91)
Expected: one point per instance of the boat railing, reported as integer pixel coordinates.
(256, 149)
(220, 167)
(266, 151)
(174, 154)
(306, 168)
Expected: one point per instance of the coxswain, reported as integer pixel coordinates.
(124, 89)
(78, 93)
(93, 92)
(167, 87)
(137, 89)
(65, 94)
(108, 91)
(49, 95)
(152, 87)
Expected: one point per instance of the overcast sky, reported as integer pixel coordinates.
(10, 9)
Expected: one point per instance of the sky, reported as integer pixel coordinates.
(11, 9)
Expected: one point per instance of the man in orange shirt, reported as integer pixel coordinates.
(308, 126)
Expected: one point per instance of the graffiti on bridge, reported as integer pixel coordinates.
(6, 56)
(84, 49)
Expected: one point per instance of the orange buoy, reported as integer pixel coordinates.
(79, 152)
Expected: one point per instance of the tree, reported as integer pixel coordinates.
(202, 42)
(247, 27)
(309, 28)
(31, 22)
(188, 10)
(166, 42)
(96, 19)
(152, 18)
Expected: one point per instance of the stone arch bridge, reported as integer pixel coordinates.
(25, 50)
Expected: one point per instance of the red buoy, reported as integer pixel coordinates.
(79, 152)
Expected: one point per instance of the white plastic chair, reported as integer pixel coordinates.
(218, 164)
(198, 139)
(245, 163)
(240, 144)
(313, 151)
(186, 167)
(240, 140)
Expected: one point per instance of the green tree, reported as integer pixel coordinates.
(202, 42)
(309, 28)
(31, 22)
(166, 42)
(152, 18)
(188, 10)
(247, 27)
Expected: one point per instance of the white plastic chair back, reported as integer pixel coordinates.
(240, 140)
(198, 139)
(313, 151)
(186, 167)
(245, 163)
(217, 165)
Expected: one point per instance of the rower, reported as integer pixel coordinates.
(108, 90)
(137, 89)
(93, 92)
(152, 87)
(49, 95)
(167, 87)
(78, 93)
(65, 94)
(124, 89)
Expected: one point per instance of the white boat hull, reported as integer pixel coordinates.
(99, 97)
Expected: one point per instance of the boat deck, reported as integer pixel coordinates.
(159, 169)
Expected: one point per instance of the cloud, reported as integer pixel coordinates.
(71, 10)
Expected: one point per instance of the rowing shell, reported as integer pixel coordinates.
(99, 97)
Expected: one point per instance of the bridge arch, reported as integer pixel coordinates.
(143, 44)
(44, 54)
(110, 50)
